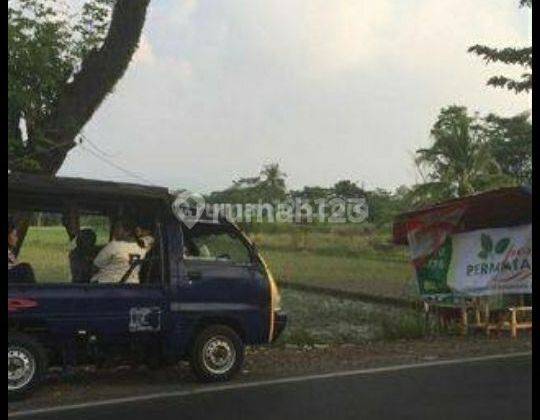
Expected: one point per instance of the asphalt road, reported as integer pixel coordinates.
(490, 389)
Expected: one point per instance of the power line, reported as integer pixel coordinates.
(117, 166)
(94, 151)
(96, 147)
(105, 157)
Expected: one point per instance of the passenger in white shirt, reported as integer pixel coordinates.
(119, 256)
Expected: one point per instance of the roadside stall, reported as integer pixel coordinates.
(472, 258)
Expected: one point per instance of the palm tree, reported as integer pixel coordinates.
(273, 182)
(459, 162)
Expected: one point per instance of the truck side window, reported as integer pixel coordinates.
(53, 256)
(215, 243)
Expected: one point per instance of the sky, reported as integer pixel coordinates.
(330, 90)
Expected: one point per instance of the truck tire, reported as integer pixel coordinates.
(217, 354)
(27, 363)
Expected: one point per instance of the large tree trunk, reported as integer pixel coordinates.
(99, 73)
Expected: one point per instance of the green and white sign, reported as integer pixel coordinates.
(480, 263)
(492, 261)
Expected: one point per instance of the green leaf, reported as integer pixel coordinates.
(502, 245)
(483, 255)
(487, 243)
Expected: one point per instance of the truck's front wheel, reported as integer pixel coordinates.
(26, 364)
(217, 354)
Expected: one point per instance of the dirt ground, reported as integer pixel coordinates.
(87, 385)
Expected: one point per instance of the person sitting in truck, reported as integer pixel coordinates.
(17, 272)
(194, 251)
(81, 258)
(119, 261)
(144, 236)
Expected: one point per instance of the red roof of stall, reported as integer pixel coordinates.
(491, 209)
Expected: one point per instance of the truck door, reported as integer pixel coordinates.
(219, 276)
(120, 312)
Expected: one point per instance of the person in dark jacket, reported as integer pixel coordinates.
(17, 272)
(81, 258)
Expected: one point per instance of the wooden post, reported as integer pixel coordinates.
(513, 322)
(486, 317)
(426, 319)
(477, 315)
(464, 320)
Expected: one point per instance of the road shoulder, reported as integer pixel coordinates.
(263, 365)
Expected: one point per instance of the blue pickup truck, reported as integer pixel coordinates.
(202, 293)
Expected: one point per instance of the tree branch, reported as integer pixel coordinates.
(99, 73)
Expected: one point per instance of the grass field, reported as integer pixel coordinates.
(354, 262)
(348, 261)
(47, 250)
(322, 320)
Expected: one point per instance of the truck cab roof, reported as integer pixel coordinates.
(65, 185)
(25, 189)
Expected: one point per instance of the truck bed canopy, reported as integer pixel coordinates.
(26, 191)
(503, 207)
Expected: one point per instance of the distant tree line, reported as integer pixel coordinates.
(468, 154)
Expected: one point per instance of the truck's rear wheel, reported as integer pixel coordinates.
(26, 365)
(217, 354)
